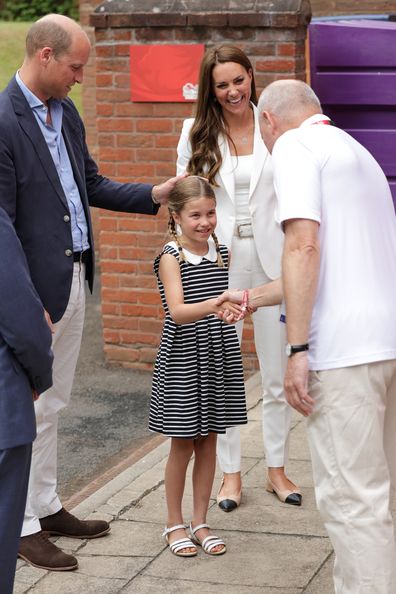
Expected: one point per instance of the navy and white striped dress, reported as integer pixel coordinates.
(198, 384)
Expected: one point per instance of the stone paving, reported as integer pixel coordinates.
(273, 548)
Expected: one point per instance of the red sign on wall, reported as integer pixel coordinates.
(167, 73)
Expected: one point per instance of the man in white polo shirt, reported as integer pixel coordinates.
(339, 282)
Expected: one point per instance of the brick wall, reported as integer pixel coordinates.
(138, 141)
(89, 88)
(335, 7)
(89, 97)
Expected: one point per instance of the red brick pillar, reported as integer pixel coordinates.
(89, 94)
(138, 140)
(344, 7)
(89, 88)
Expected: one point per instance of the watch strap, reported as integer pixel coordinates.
(292, 349)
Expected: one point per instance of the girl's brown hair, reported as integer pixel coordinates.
(186, 189)
(209, 123)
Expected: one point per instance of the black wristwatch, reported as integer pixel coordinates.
(292, 349)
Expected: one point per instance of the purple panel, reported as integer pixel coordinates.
(369, 23)
(351, 88)
(353, 71)
(358, 43)
(392, 185)
(381, 144)
(373, 117)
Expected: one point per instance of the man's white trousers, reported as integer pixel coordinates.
(352, 435)
(42, 498)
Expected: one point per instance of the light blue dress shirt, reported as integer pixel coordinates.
(52, 133)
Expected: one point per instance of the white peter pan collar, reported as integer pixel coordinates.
(194, 258)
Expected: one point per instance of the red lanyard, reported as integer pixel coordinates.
(326, 122)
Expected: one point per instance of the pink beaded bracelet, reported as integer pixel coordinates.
(244, 304)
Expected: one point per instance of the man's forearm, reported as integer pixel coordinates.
(268, 294)
(300, 270)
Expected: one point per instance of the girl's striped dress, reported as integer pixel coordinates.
(198, 384)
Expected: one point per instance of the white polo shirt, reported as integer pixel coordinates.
(321, 173)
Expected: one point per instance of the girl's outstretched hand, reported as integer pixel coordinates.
(234, 296)
(229, 311)
(228, 317)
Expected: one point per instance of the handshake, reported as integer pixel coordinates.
(233, 305)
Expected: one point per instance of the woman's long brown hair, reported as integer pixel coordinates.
(205, 157)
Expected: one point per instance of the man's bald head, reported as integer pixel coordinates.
(290, 100)
(53, 30)
(57, 50)
(284, 105)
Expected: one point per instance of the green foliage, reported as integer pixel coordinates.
(12, 49)
(30, 10)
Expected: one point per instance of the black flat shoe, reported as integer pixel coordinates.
(228, 503)
(286, 496)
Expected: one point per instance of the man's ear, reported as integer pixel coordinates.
(269, 120)
(45, 55)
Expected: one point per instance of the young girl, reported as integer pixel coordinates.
(198, 387)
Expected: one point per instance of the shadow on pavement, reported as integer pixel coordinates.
(108, 415)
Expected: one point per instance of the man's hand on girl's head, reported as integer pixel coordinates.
(160, 192)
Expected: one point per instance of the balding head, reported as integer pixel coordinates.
(284, 105)
(57, 49)
(53, 30)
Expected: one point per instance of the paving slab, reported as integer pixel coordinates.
(149, 585)
(272, 548)
(252, 559)
(262, 514)
(323, 581)
(104, 566)
(127, 539)
(74, 583)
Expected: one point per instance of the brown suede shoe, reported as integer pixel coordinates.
(65, 524)
(40, 552)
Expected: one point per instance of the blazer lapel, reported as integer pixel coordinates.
(260, 155)
(31, 128)
(226, 170)
(74, 151)
(78, 176)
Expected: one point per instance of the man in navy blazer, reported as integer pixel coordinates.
(25, 372)
(48, 181)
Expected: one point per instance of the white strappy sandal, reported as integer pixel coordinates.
(209, 542)
(178, 546)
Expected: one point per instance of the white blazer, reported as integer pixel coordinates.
(268, 236)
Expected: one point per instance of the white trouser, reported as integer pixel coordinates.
(66, 340)
(352, 435)
(270, 340)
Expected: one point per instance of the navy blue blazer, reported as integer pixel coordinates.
(25, 342)
(31, 193)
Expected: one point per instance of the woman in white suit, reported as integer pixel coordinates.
(223, 143)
